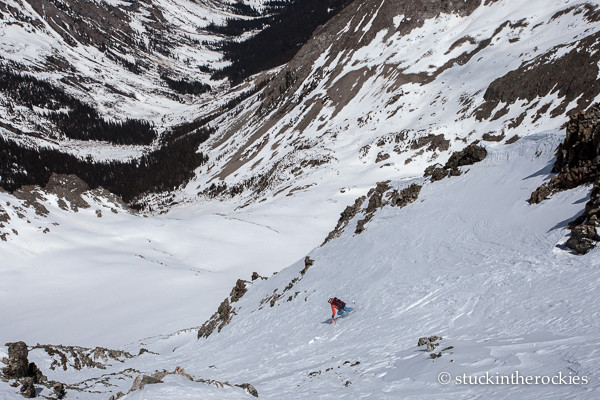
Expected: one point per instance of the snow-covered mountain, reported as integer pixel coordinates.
(470, 260)
(373, 101)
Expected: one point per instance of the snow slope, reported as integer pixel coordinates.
(370, 88)
(103, 276)
(470, 261)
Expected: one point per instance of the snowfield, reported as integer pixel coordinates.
(470, 261)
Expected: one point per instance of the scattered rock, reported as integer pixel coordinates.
(181, 371)
(382, 157)
(27, 388)
(246, 386)
(308, 262)
(488, 137)
(81, 357)
(249, 388)
(256, 276)
(142, 381)
(59, 390)
(429, 341)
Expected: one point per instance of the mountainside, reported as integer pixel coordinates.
(149, 163)
(470, 261)
(384, 78)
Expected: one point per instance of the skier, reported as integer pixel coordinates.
(340, 306)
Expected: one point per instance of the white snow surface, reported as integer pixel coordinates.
(470, 261)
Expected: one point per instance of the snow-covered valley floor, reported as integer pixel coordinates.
(470, 261)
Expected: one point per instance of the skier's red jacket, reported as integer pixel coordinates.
(336, 304)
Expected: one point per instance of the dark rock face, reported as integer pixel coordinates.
(27, 388)
(225, 312)
(577, 158)
(470, 155)
(376, 201)
(18, 365)
(405, 196)
(345, 217)
(578, 163)
(308, 262)
(248, 387)
(583, 238)
(573, 75)
(378, 197)
(238, 290)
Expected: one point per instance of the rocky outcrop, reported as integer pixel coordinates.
(19, 368)
(470, 155)
(65, 357)
(378, 197)
(249, 388)
(225, 312)
(27, 388)
(572, 76)
(405, 196)
(17, 360)
(578, 163)
(376, 201)
(238, 291)
(246, 386)
(142, 381)
(345, 217)
(308, 262)
(431, 343)
(383, 195)
(157, 377)
(218, 320)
